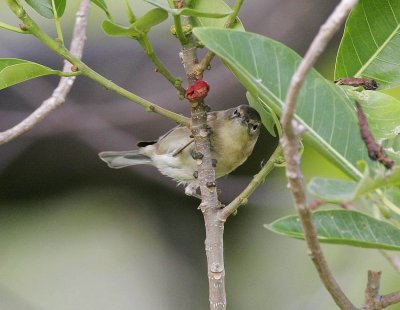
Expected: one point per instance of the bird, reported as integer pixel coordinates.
(233, 134)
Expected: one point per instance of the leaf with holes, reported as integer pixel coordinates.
(370, 44)
(343, 227)
(14, 71)
(265, 67)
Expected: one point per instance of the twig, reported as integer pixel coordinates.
(258, 179)
(290, 144)
(64, 86)
(230, 22)
(148, 49)
(372, 297)
(373, 300)
(59, 49)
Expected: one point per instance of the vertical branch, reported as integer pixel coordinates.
(210, 205)
(372, 297)
(290, 143)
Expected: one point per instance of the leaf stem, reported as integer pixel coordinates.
(258, 179)
(148, 48)
(205, 62)
(57, 22)
(179, 31)
(59, 49)
(12, 28)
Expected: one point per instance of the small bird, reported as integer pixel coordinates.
(234, 133)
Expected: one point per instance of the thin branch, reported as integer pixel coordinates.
(389, 299)
(12, 28)
(148, 48)
(230, 22)
(59, 49)
(257, 180)
(372, 297)
(60, 93)
(290, 144)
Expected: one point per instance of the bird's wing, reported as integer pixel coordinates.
(174, 141)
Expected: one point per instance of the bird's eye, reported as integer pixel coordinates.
(236, 112)
(255, 127)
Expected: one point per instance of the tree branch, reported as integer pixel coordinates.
(290, 143)
(258, 179)
(59, 49)
(65, 84)
(210, 205)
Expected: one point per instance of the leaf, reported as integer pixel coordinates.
(150, 19)
(262, 109)
(265, 67)
(190, 12)
(212, 6)
(102, 5)
(138, 28)
(342, 191)
(14, 71)
(369, 47)
(343, 227)
(382, 111)
(45, 7)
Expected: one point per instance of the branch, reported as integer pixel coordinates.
(258, 179)
(230, 22)
(373, 300)
(64, 86)
(59, 49)
(210, 205)
(290, 144)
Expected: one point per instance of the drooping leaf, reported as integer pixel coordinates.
(343, 227)
(262, 109)
(265, 67)
(212, 6)
(14, 71)
(191, 12)
(382, 111)
(45, 7)
(141, 26)
(342, 191)
(369, 47)
(102, 5)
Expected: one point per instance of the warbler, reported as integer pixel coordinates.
(233, 135)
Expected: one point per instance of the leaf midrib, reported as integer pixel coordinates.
(378, 51)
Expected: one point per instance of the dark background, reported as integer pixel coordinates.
(77, 235)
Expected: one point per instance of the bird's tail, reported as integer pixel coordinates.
(123, 159)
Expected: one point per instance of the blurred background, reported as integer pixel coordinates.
(75, 234)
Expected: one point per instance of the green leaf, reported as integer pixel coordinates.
(212, 6)
(191, 12)
(45, 7)
(140, 27)
(369, 47)
(382, 111)
(265, 68)
(265, 113)
(14, 71)
(343, 227)
(103, 6)
(150, 19)
(342, 191)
